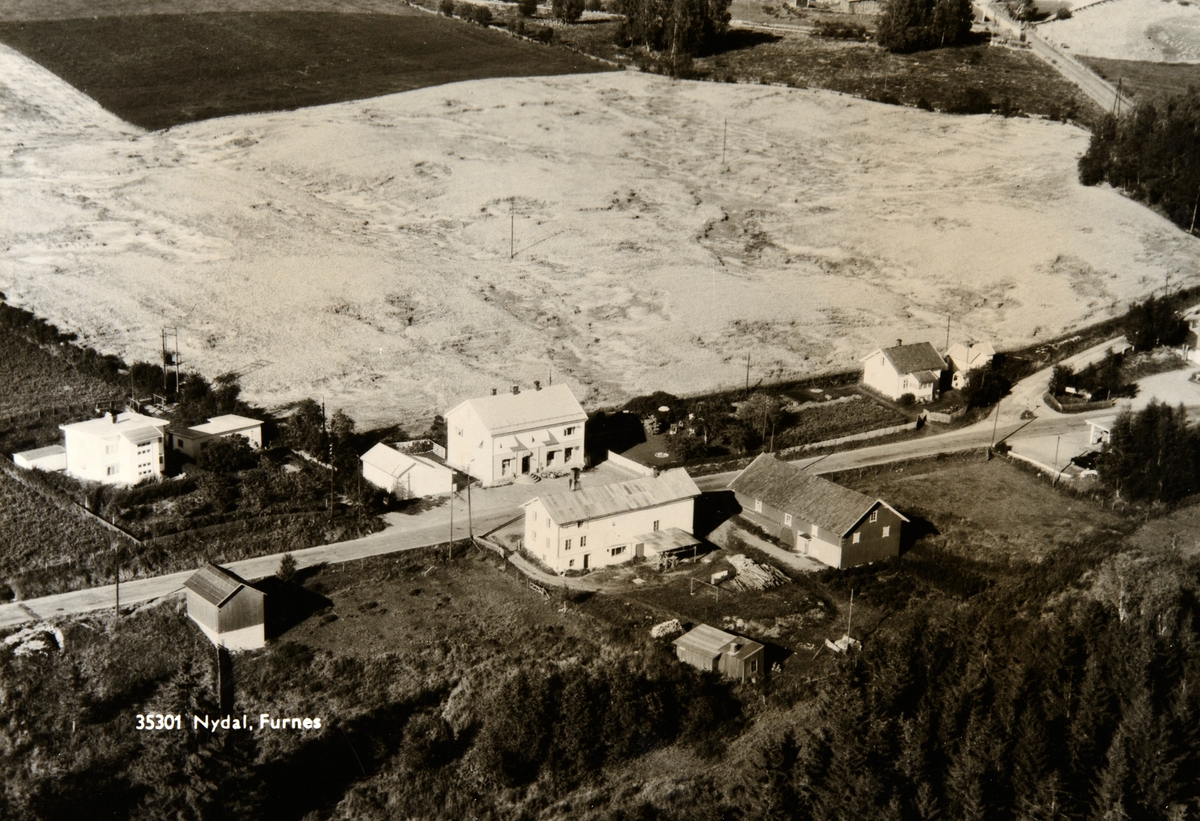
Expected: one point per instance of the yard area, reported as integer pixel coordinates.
(985, 511)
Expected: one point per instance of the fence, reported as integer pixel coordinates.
(1077, 408)
(62, 503)
(944, 418)
(59, 411)
(854, 437)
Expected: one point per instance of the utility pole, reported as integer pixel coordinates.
(450, 547)
(747, 373)
(724, 140)
(947, 331)
(470, 522)
(116, 547)
(850, 614)
(512, 227)
(1057, 441)
(1192, 227)
(995, 425)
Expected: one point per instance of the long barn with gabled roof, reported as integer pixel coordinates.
(832, 524)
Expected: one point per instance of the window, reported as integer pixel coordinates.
(655, 525)
(547, 542)
(758, 505)
(583, 541)
(113, 470)
(551, 455)
(567, 544)
(568, 453)
(857, 538)
(110, 449)
(571, 563)
(754, 666)
(787, 519)
(569, 431)
(887, 531)
(617, 551)
(874, 515)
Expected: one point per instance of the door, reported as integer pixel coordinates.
(585, 561)
(802, 543)
(525, 463)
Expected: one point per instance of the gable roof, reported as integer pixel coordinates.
(816, 500)
(509, 413)
(912, 358)
(621, 497)
(215, 584)
(965, 358)
(712, 642)
(385, 457)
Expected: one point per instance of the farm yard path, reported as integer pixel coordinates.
(363, 249)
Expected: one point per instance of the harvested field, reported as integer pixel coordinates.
(362, 249)
(1160, 31)
(159, 70)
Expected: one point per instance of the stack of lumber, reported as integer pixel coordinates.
(754, 576)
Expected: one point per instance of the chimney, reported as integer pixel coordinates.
(108, 417)
(493, 391)
(574, 478)
(899, 342)
(516, 389)
(537, 386)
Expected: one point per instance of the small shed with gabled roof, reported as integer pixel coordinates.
(229, 610)
(715, 651)
(833, 524)
(901, 369)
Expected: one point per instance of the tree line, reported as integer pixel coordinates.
(1152, 154)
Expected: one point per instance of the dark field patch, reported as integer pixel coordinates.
(1146, 80)
(157, 71)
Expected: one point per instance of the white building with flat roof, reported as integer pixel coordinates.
(190, 441)
(116, 450)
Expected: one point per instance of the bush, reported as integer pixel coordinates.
(287, 568)
(1063, 13)
(226, 455)
(838, 30)
(970, 101)
(568, 11)
(906, 400)
(913, 25)
(446, 7)
(592, 5)
(527, 8)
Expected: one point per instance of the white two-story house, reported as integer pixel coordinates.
(116, 450)
(500, 437)
(599, 526)
(895, 371)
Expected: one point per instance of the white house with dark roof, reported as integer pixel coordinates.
(961, 358)
(500, 437)
(605, 525)
(116, 450)
(833, 524)
(227, 608)
(191, 441)
(895, 371)
(408, 470)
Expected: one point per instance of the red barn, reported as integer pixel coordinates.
(835, 525)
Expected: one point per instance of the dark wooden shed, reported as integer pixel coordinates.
(716, 651)
(229, 610)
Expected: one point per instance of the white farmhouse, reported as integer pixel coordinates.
(191, 441)
(600, 526)
(409, 470)
(961, 358)
(500, 437)
(116, 450)
(915, 369)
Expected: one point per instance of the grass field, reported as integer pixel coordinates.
(991, 512)
(1145, 79)
(160, 70)
(1166, 31)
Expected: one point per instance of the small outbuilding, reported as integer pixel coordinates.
(53, 458)
(227, 608)
(408, 470)
(715, 651)
(191, 441)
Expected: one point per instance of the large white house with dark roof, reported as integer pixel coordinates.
(835, 525)
(895, 371)
(500, 437)
(609, 524)
(116, 450)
